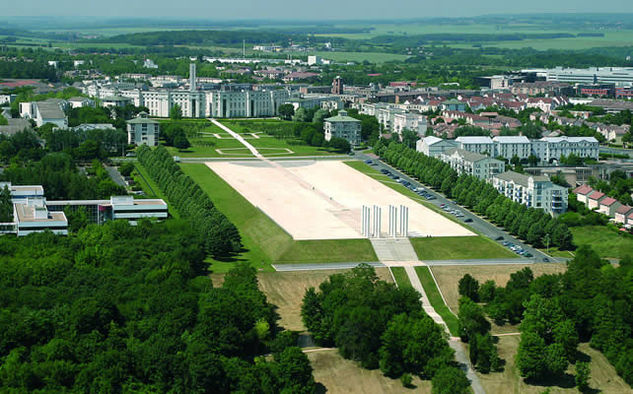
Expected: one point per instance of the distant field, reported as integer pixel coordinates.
(607, 242)
(286, 291)
(458, 248)
(264, 241)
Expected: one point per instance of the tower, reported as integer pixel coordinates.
(337, 85)
(192, 77)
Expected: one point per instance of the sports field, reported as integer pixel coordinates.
(323, 199)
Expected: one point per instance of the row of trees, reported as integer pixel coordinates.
(380, 325)
(530, 224)
(217, 233)
(120, 308)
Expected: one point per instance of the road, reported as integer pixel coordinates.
(478, 224)
(115, 175)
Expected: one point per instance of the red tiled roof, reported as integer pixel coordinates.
(608, 201)
(18, 83)
(583, 189)
(596, 195)
(624, 209)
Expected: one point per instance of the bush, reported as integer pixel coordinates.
(406, 380)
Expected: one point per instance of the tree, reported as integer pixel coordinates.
(487, 291)
(126, 168)
(450, 380)
(6, 205)
(302, 115)
(532, 160)
(320, 115)
(340, 145)
(409, 138)
(286, 111)
(582, 376)
(181, 142)
(175, 112)
(469, 287)
(471, 319)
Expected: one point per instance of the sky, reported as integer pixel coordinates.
(303, 9)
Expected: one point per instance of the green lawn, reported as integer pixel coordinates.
(150, 187)
(264, 241)
(606, 241)
(402, 279)
(435, 299)
(458, 248)
(295, 145)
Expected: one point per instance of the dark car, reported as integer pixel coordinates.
(499, 238)
(368, 161)
(468, 220)
(545, 260)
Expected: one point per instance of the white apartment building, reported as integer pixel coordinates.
(409, 121)
(343, 126)
(621, 76)
(548, 149)
(474, 164)
(143, 131)
(433, 146)
(47, 111)
(245, 103)
(532, 191)
(483, 145)
(511, 146)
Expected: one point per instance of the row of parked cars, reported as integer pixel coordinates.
(516, 249)
(456, 212)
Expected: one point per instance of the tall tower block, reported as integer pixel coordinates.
(192, 77)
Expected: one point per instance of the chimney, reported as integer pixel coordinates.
(192, 77)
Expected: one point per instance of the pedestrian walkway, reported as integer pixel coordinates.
(394, 249)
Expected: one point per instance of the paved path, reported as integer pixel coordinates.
(238, 137)
(323, 266)
(394, 249)
(115, 175)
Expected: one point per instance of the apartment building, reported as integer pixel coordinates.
(433, 146)
(483, 145)
(143, 131)
(532, 191)
(474, 164)
(343, 126)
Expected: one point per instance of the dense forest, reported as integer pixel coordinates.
(530, 224)
(120, 308)
(381, 326)
(591, 302)
(219, 236)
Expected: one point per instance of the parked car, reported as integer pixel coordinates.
(468, 220)
(499, 238)
(369, 161)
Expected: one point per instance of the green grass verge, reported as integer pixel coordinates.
(264, 241)
(607, 241)
(436, 301)
(151, 189)
(459, 248)
(402, 279)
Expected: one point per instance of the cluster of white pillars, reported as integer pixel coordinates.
(371, 221)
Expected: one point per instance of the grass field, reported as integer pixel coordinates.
(340, 376)
(286, 291)
(402, 279)
(436, 299)
(150, 187)
(603, 376)
(607, 242)
(264, 241)
(449, 248)
(297, 146)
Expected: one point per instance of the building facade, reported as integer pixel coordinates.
(433, 146)
(143, 131)
(532, 191)
(473, 164)
(343, 126)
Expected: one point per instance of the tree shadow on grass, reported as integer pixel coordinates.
(565, 381)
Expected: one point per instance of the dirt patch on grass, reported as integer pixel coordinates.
(344, 376)
(286, 290)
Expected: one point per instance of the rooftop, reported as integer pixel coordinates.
(608, 201)
(583, 189)
(51, 109)
(466, 155)
(596, 195)
(474, 140)
(512, 140)
(520, 179)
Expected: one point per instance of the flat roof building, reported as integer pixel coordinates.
(143, 131)
(343, 126)
(532, 191)
(33, 216)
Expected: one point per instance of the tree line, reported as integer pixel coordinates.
(381, 326)
(120, 308)
(530, 224)
(219, 236)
